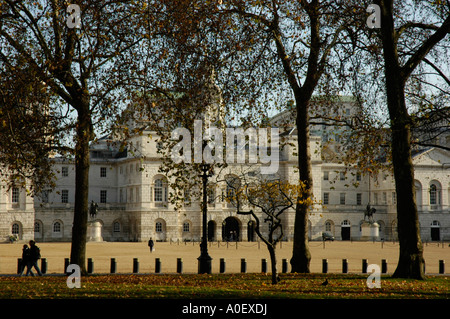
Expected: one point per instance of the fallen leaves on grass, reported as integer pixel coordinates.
(221, 286)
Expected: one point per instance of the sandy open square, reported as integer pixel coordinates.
(253, 252)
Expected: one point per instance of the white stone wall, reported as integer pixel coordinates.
(131, 213)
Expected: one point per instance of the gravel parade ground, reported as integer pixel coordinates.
(102, 252)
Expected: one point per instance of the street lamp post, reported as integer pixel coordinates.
(204, 261)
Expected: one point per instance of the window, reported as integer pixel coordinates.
(435, 196)
(64, 196)
(15, 194)
(325, 175)
(102, 171)
(65, 171)
(358, 176)
(15, 229)
(342, 176)
(233, 183)
(328, 226)
(57, 227)
(37, 227)
(103, 196)
(187, 195)
(211, 196)
(435, 223)
(186, 227)
(45, 195)
(358, 199)
(158, 190)
(375, 198)
(384, 198)
(116, 227)
(158, 227)
(326, 198)
(342, 198)
(394, 198)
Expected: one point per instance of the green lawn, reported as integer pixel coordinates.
(222, 286)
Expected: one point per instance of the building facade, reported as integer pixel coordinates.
(133, 205)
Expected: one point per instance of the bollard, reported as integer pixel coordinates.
(284, 266)
(66, 264)
(364, 266)
(113, 265)
(19, 265)
(441, 266)
(44, 265)
(135, 265)
(179, 265)
(243, 265)
(383, 266)
(90, 265)
(324, 266)
(157, 265)
(344, 266)
(222, 265)
(263, 265)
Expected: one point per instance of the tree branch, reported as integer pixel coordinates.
(423, 50)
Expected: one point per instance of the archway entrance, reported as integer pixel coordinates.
(211, 230)
(230, 229)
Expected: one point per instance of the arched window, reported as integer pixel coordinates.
(56, 227)
(158, 227)
(186, 227)
(160, 191)
(116, 227)
(15, 229)
(435, 194)
(233, 184)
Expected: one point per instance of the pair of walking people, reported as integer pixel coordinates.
(30, 257)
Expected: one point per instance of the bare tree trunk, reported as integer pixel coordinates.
(301, 256)
(273, 261)
(411, 261)
(80, 218)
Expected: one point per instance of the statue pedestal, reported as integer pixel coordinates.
(369, 231)
(94, 231)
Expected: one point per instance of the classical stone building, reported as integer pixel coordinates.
(132, 197)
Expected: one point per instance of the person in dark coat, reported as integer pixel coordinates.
(25, 259)
(151, 244)
(35, 255)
